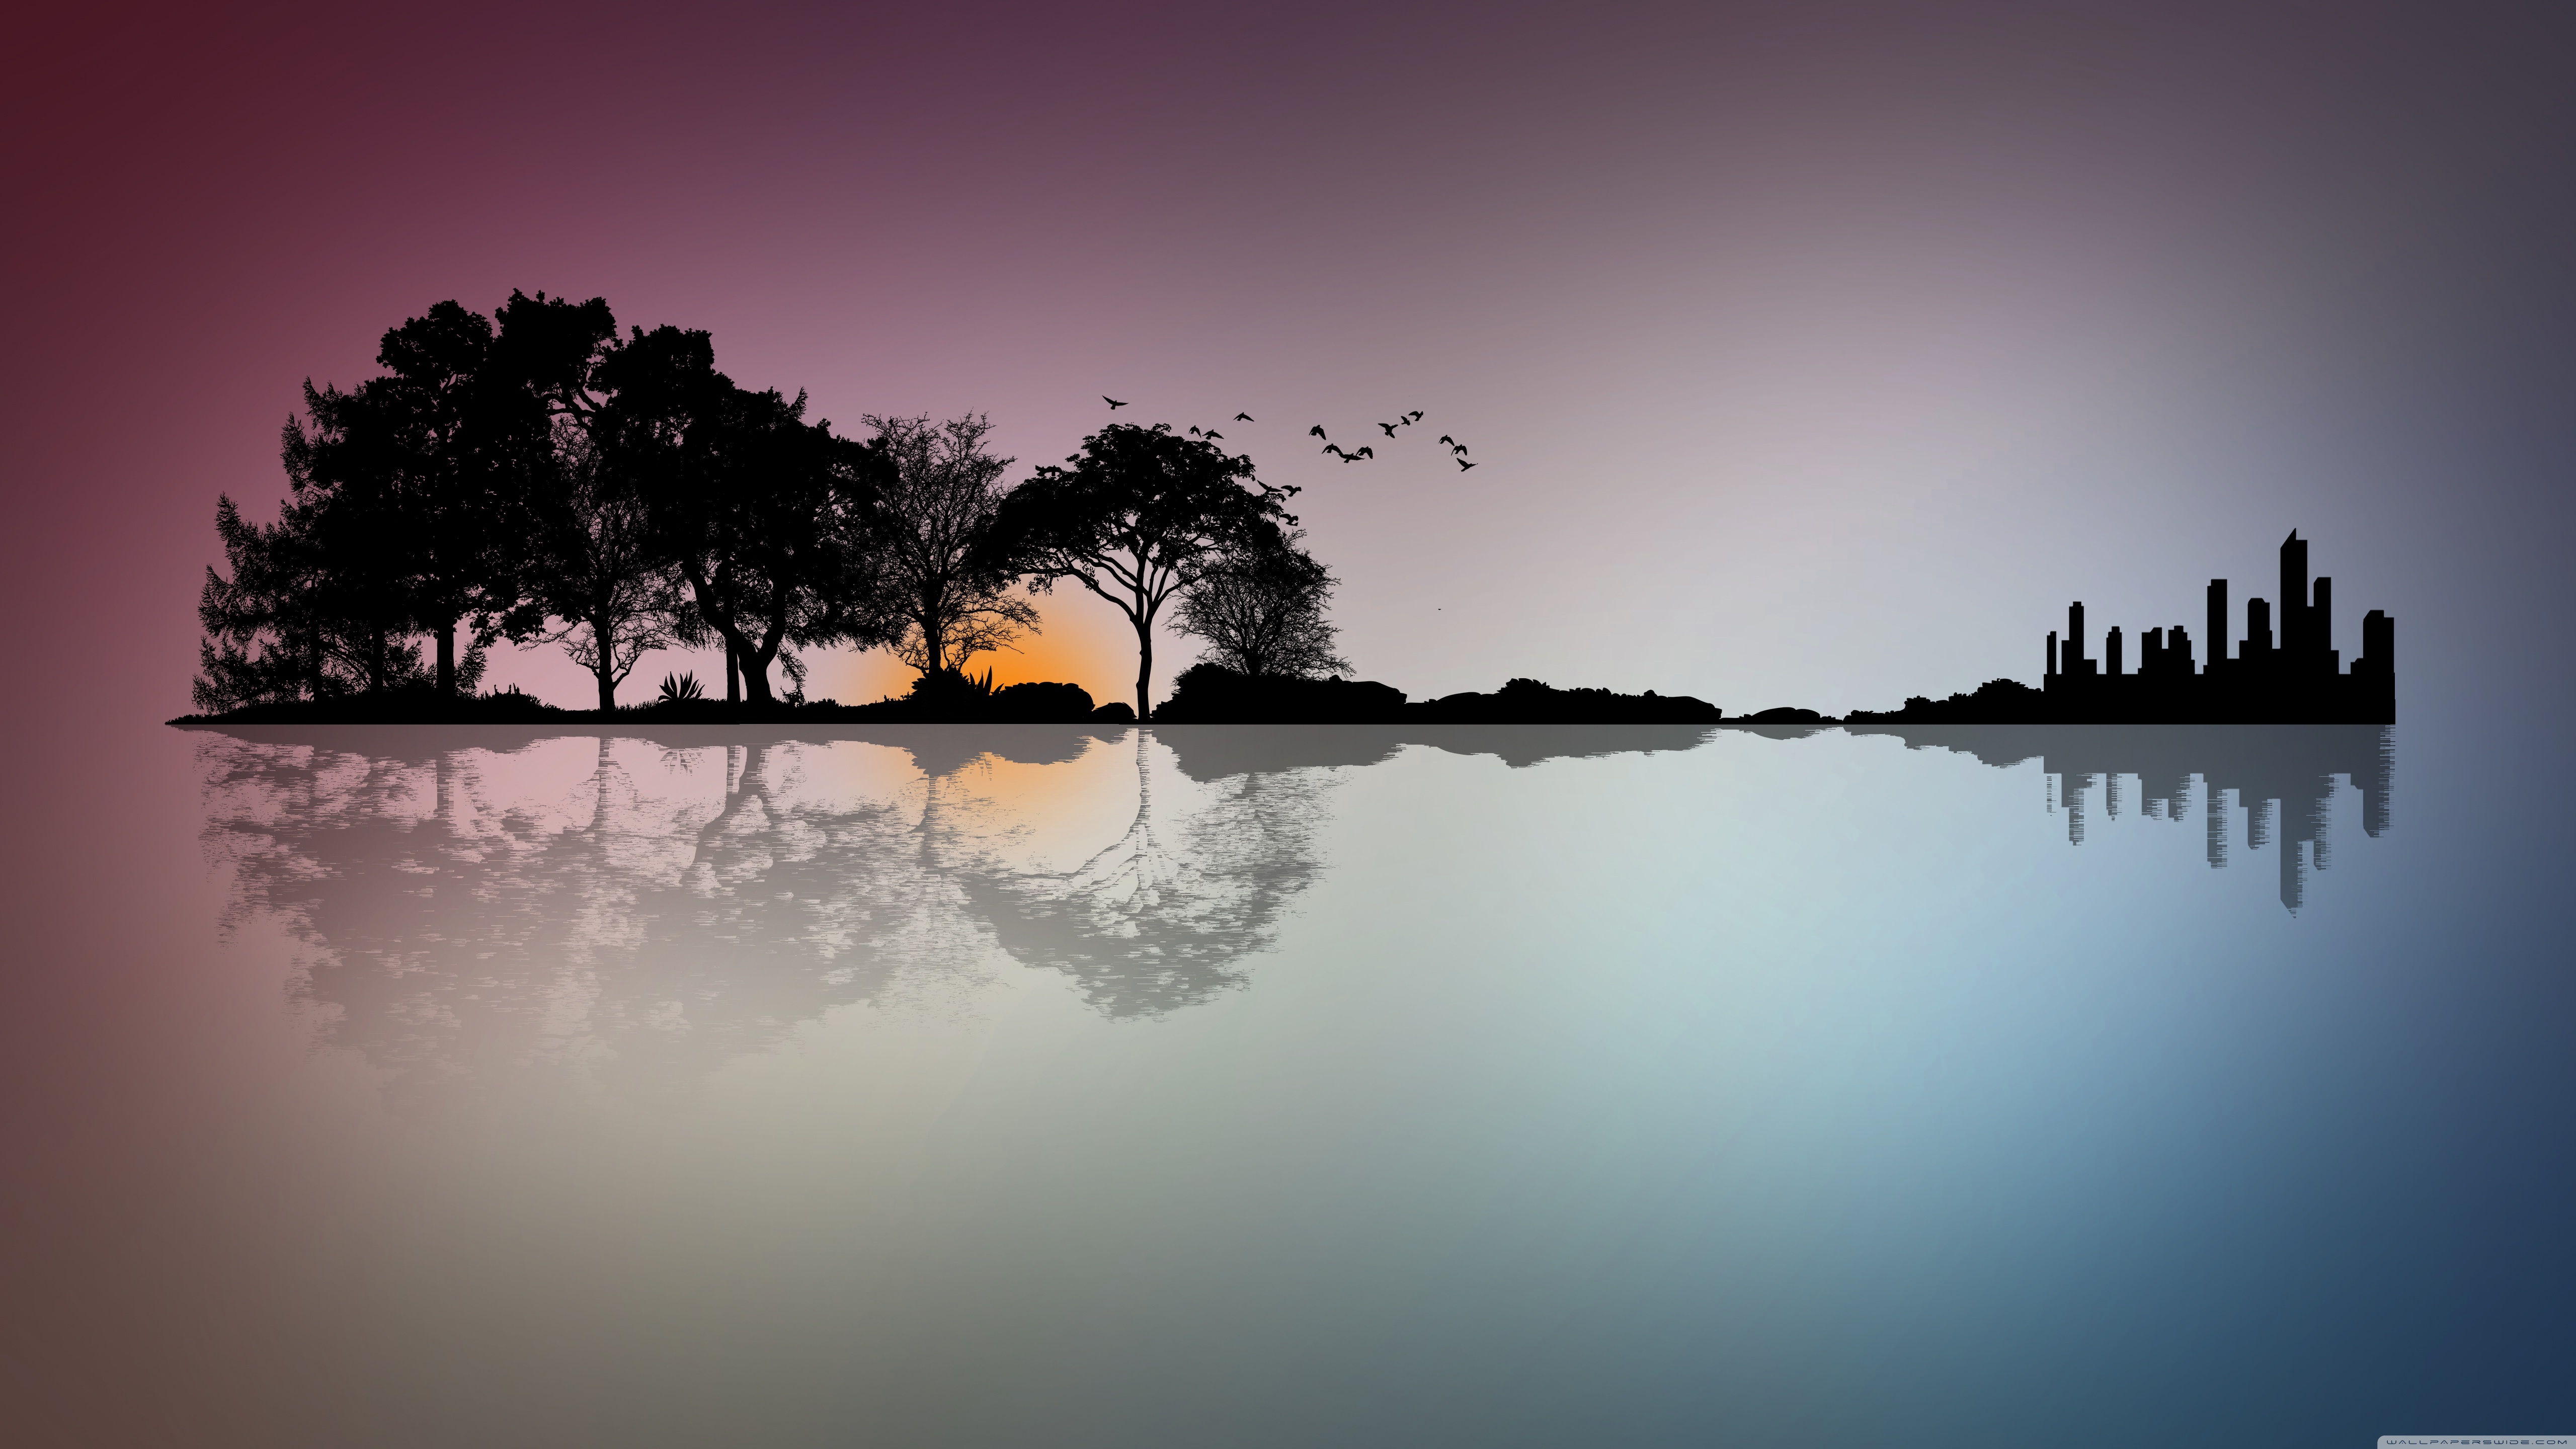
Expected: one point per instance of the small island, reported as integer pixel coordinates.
(535, 477)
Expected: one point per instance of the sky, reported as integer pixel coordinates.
(1812, 355)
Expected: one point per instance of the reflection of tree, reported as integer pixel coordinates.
(646, 930)
(666, 904)
(1160, 920)
(778, 910)
(451, 932)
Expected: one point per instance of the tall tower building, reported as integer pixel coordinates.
(2323, 659)
(2217, 635)
(2294, 600)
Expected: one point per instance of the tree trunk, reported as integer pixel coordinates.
(755, 665)
(447, 659)
(1144, 665)
(606, 672)
(733, 673)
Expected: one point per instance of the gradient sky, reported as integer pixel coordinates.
(1814, 358)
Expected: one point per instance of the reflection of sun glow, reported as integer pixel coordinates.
(1057, 815)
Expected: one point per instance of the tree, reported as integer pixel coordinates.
(608, 595)
(597, 582)
(766, 516)
(258, 647)
(936, 516)
(1261, 610)
(1139, 515)
(417, 475)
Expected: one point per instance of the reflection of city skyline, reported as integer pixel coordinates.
(2281, 775)
(647, 906)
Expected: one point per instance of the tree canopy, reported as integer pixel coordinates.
(769, 518)
(1137, 516)
(414, 482)
(596, 579)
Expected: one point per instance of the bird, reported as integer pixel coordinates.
(1464, 465)
(1452, 442)
(1336, 450)
(1211, 433)
(1194, 432)
(1457, 447)
(1390, 429)
(1365, 453)
(1114, 404)
(1316, 431)
(1243, 417)
(1414, 416)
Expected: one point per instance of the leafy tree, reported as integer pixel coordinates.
(936, 516)
(416, 478)
(596, 580)
(1137, 517)
(259, 646)
(1260, 608)
(264, 642)
(766, 516)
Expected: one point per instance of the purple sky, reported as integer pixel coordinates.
(1815, 360)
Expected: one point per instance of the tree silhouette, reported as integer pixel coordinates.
(594, 575)
(288, 624)
(418, 477)
(1260, 608)
(1139, 515)
(768, 517)
(942, 573)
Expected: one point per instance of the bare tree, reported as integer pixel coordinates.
(940, 571)
(1260, 609)
(608, 597)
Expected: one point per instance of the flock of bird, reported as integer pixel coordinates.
(1457, 450)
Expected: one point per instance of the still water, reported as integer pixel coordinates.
(1227, 1085)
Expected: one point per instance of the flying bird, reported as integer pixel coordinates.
(1458, 447)
(1194, 432)
(1211, 433)
(1390, 429)
(1114, 404)
(1365, 453)
(1336, 450)
(1464, 465)
(1414, 416)
(1243, 417)
(1316, 431)
(1452, 442)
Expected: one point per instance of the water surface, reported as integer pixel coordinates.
(1290, 1086)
